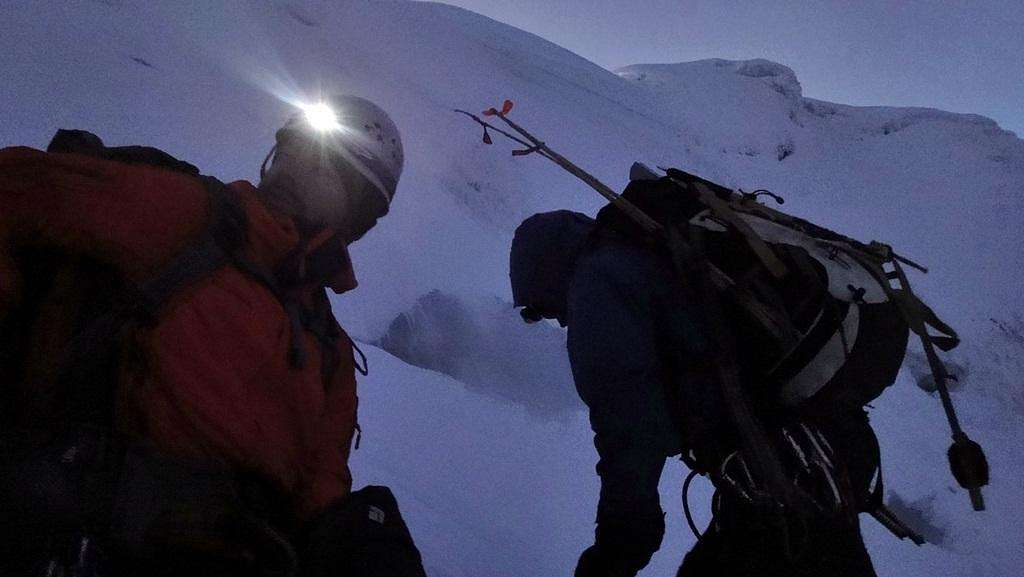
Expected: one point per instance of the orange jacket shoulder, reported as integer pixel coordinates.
(133, 217)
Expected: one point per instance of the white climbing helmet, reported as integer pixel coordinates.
(358, 131)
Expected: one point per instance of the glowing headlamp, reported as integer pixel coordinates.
(321, 117)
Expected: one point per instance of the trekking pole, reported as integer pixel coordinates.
(966, 458)
(533, 145)
(758, 452)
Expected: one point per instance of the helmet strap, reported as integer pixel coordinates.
(263, 167)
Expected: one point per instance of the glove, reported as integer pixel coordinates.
(621, 549)
(591, 563)
(596, 562)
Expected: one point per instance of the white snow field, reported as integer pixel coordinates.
(495, 470)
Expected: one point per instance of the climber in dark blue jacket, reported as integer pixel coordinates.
(615, 312)
(639, 354)
(614, 298)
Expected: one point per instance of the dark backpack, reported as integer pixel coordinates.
(822, 339)
(818, 330)
(61, 354)
(76, 308)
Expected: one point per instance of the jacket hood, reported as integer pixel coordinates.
(276, 242)
(543, 258)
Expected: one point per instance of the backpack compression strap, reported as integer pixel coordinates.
(197, 261)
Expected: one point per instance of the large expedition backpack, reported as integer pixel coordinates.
(817, 325)
(817, 330)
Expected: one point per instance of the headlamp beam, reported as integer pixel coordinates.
(321, 117)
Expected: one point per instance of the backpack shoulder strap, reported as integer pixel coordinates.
(219, 245)
(222, 238)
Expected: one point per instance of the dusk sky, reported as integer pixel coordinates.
(956, 56)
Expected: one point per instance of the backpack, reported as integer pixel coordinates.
(818, 333)
(61, 355)
(819, 330)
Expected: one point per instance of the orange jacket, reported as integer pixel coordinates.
(217, 383)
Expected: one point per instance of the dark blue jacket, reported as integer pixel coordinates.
(629, 330)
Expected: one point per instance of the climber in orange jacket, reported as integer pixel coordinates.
(199, 311)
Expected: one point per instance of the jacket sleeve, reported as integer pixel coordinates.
(613, 352)
(133, 217)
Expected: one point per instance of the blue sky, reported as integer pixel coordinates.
(957, 56)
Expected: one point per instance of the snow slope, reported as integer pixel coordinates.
(492, 486)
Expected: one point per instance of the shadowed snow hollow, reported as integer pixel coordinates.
(485, 344)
